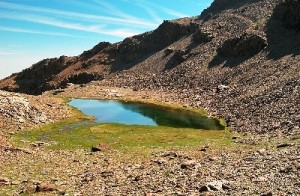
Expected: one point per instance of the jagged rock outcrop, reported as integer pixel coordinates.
(247, 44)
(96, 49)
(201, 36)
(222, 5)
(168, 32)
(82, 78)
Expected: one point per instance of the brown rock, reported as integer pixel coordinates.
(101, 147)
(188, 164)
(267, 194)
(4, 181)
(204, 188)
(45, 187)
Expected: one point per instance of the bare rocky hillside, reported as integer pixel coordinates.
(238, 59)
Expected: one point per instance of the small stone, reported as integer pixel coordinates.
(25, 150)
(160, 161)
(30, 190)
(21, 120)
(44, 171)
(215, 185)
(204, 188)
(15, 183)
(170, 154)
(45, 187)
(226, 187)
(137, 178)
(101, 147)
(283, 145)
(286, 169)
(118, 95)
(4, 181)
(204, 148)
(267, 194)
(261, 179)
(212, 158)
(187, 164)
(262, 151)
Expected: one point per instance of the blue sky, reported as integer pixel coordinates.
(31, 30)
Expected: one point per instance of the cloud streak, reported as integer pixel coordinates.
(19, 30)
(172, 12)
(110, 9)
(67, 25)
(151, 8)
(115, 20)
(145, 6)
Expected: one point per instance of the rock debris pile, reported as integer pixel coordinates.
(18, 111)
(15, 107)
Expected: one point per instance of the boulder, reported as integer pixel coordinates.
(245, 45)
(202, 36)
(45, 187)
(101, 147)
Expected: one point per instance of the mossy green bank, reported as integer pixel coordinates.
(81, 132)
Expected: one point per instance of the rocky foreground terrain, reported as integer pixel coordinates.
(239, 59)
(263, 164)
(206, 172)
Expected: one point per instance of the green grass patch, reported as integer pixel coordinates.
(124, 138)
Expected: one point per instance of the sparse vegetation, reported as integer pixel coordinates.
(125, 138)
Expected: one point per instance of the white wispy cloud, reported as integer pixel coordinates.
(112, 10)
(164, 9)
(67, 25)
(150, 11)
(172, 12)
(19, 30)
(57, 12)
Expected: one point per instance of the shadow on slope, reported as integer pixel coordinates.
(138, 48)
(283, 30)
(237, 50)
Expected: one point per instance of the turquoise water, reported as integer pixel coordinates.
(110, 111)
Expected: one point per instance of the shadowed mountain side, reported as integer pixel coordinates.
(140, 47)
(283, 30)
(237, 50)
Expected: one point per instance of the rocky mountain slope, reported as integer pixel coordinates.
(239, 59)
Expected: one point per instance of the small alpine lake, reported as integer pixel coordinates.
(129, 127)
(133, 113)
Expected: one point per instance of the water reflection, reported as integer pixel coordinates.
(143, 114)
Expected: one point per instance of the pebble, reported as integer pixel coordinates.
(187, 164)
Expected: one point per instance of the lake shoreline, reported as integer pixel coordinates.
(245, 167)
